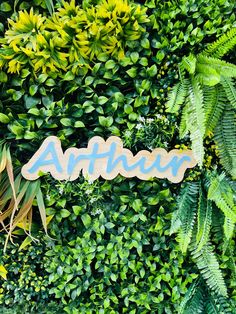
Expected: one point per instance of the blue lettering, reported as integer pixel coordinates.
(42, 160)
(111, 164)
(91, 157)
(174, 163)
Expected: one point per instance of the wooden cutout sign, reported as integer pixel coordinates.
(106, 159)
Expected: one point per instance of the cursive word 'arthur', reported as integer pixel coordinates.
(106, 159)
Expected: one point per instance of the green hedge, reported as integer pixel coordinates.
(110, 249)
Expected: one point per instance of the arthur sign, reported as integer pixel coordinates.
(106, 159)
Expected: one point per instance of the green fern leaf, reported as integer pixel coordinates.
(230, 90)
(221, 193)
(193, 301)
(186, 201)
(207, 75)
(216, 304)
(189, 63)
(208, 265)
(183, 127)
(196, 123)
(222, 67)
(187, 216)
(223, 45)
(204, 221)
(177, 96)
(229, 227)
(214, 100)
(225, 138)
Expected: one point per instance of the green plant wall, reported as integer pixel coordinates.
(83, 68)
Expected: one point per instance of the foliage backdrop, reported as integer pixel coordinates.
(107, 68)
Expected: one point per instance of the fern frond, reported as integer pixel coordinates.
(177, 96)
(193, 301)
(223, 45)
(189, 63)
(229, 226)
(221, 193)
(216, 304)
(231, 250)
(222, 67)
(186, 200)
(196, 123)
(207, 75)
(208, 265)
(230, 90)
(214, 100)
(204, 221)
(188, 218)
(225, 138)
(217, 232)
(183, 127)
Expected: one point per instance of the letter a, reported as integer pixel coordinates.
(48, 158)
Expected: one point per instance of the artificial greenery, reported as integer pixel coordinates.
(207, 92)
(73, 35)
(111, 249)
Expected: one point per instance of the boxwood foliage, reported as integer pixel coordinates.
(111, 250)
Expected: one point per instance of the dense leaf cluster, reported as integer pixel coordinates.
(111, 248)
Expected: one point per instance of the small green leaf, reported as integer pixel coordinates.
(69, 76)
(3, 77)
(17, 95)
(89, 80)
(64, 213)
(86, 220)
(31, 101)
(128, 109)
(134, 56)
(25, 243)
(110, 64)
(137, 205)
(42, 78)
(102, 100)
(66, 121)
(160, 55)
(132, 72)
(109, 225)
(79, 124)
(5, 7)
(77, 209)
(145, 43)
(105, 122)
(33, 89)
(4, 118)
(152, 71)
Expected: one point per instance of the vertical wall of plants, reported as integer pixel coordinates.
(157, 74)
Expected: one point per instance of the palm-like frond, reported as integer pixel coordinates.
(193, 301)
(189, 63)
(207, 75)
(225, 137)
(222, 194)
(184, 218)
(216, 304)
(183, 127)
(223, 45)
(230, 90)
(222, 67)
(177, 96)
(204, 215)
(214, 101)
(196, 117)
(229, 226)
(208, 265)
